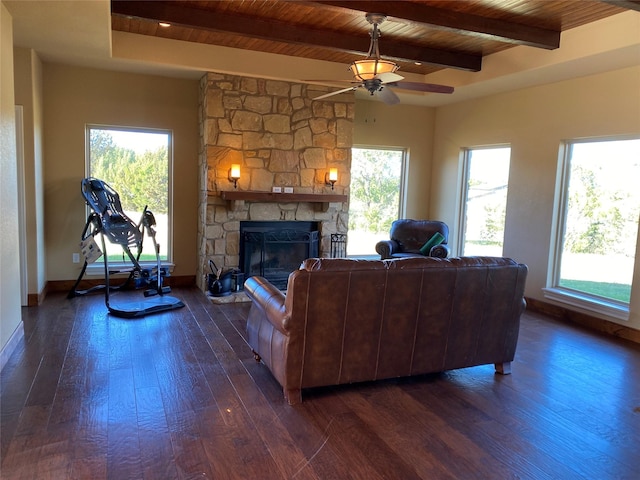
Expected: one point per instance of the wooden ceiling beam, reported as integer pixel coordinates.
(458, 22)
(257, 28)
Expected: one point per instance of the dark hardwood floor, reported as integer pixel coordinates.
(179, 395)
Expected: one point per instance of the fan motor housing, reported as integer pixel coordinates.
(372, 85)
(376, 18)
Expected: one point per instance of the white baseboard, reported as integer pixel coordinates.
(11, 345)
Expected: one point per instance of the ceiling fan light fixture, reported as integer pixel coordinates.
(369, 68)
(377, 76)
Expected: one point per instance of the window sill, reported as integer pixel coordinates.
(97, 269)
(586, 302)
(364, 257)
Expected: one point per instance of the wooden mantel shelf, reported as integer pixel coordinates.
(236, 198)
(282, 197)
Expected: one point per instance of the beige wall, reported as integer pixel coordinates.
(534, 122)
(406, 126)
(28, 72)
(75, 97)
(10, 319)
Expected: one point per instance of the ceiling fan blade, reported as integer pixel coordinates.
(388, 96)
(389, 77)
(335, 93)
(422, 87)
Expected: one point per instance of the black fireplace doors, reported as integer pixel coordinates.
(275, 249)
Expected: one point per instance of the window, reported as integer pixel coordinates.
(485, 179)
(377, 186)
(598, 205)
(136, 164)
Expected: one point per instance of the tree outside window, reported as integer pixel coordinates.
(601, 214)
(135, 163)
(375, 197)
(484, 190)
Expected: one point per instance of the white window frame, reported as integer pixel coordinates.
(97, 268)
(463, 192)
(591, 303)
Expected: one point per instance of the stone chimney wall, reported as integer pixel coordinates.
(280, 138)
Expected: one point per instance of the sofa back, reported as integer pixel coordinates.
(358, 320)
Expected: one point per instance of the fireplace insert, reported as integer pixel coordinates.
(275, 249)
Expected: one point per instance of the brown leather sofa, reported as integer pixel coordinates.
(344, 321)
(407, 237)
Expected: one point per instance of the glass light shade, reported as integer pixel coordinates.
(234, 172)
(367, 69)
(331, 177)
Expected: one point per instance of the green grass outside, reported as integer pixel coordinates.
(614, 291)
(484, 243)
(145, 257)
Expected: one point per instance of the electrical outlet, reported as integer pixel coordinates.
(288, 189)
(76, 258)
(276, 189)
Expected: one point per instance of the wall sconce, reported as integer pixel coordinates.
(234, 174)
(331, 177)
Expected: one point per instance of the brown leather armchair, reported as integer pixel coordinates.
(408, 236)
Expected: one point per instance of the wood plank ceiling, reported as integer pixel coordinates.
(421, 36)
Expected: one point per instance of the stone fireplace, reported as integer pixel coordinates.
(280, 138)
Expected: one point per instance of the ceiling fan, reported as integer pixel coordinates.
(377, 75)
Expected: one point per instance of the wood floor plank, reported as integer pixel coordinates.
(551, 432)
(393, 433)
(188, 450)
(94, 467)
(496, 428)
(461, 456)
(178, 395)
(156, 450)
(123, 443)
(283, 448)
(594, 428)
(92, 429)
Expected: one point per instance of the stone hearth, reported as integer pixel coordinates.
(280, 137)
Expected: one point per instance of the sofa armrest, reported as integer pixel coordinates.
(268, 299)
(440, 251)
(386, 248)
